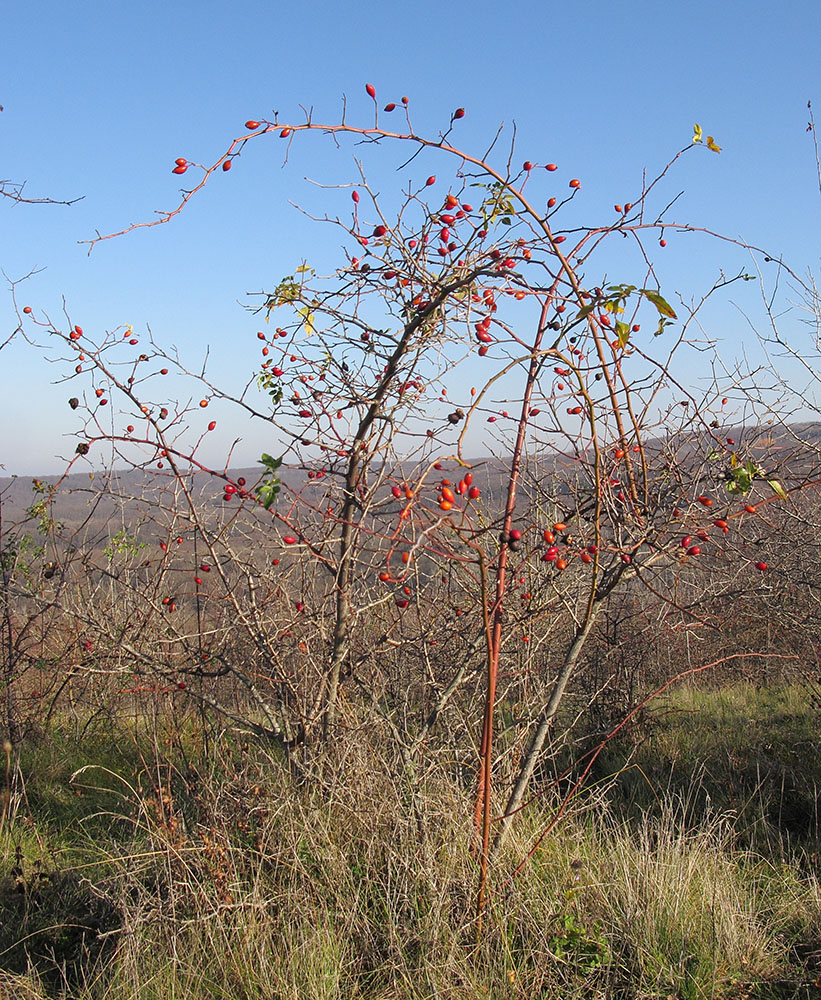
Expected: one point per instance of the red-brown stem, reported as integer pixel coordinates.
(484, 791)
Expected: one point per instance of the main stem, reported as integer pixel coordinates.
(357, 464)
(482, 812)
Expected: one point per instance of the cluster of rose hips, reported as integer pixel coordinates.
(449, 494)
(230, 490)
(692, 548)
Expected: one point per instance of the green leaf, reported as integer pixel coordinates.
(622, 332)
(267, 494)
(740, 478)
(697, 133)
(266, 381)
(286, 291)
(586, 310)
(663, 306)
(268, 490)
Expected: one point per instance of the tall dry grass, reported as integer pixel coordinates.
(223, 876)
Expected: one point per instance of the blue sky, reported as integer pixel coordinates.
(99, 100)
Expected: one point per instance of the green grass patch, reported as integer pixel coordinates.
(751, 751)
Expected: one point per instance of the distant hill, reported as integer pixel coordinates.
(103, 502)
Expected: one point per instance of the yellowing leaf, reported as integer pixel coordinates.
(777, 488)
(711, 144)
(663, 306)
(697, 132)
(308, 320)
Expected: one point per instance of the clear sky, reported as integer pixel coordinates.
(100, 98)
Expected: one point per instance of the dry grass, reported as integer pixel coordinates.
(211, 873)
